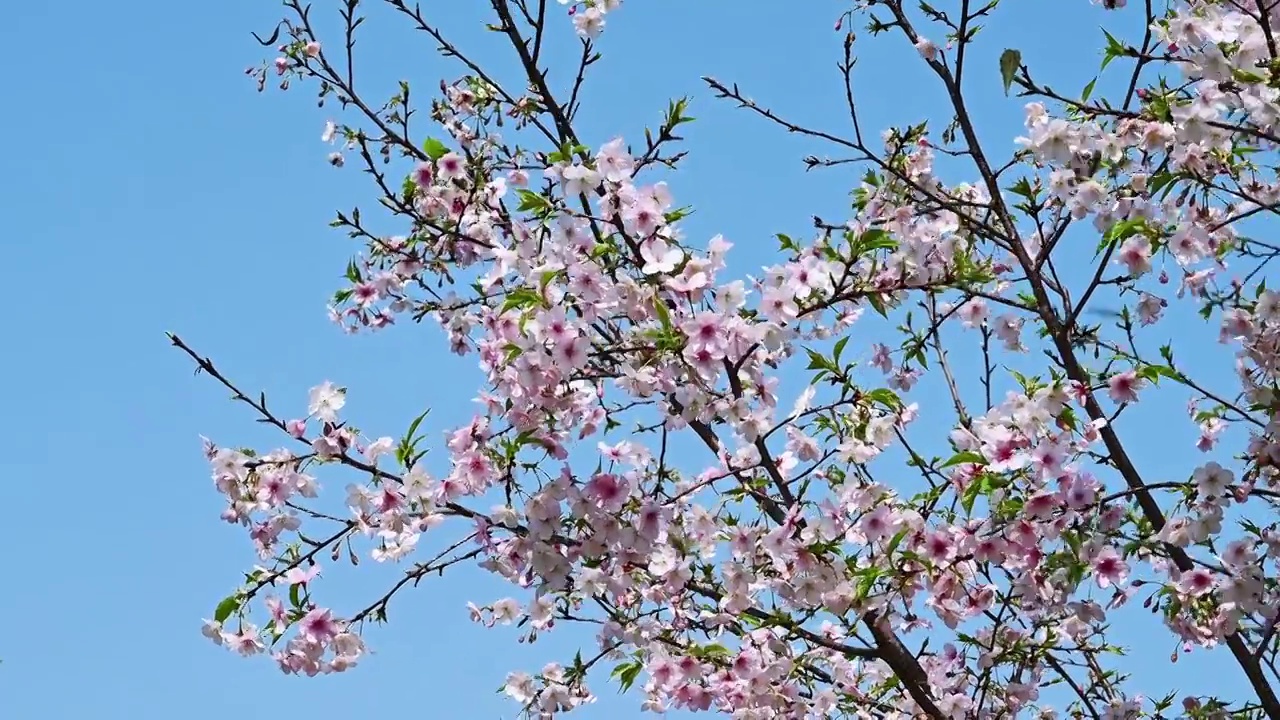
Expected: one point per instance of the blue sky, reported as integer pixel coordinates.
(149, 188)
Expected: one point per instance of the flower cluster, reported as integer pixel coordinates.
(810, 556)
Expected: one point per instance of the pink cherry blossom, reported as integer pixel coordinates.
(1109, 568)
(1123, 387)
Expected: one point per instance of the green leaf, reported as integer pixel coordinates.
(1153, 373)
(1073, 542)
(1246, 77)
(1120, 232)
(413, 426)
(626, 674)
(1115, 49)
(226, 607)
(1088, 90)
(434, 148)
(714, 650)
(895, 542)
(971, 494)
(885, 397)
(1023, 188)
(521, 298)
(840, 348)
(967, 456)
(664, 315)
(678, 214)
(868, 581)
(816, 360)
(408, 443)
(1009, 61)
(877, 304)
(530, 200)
(876, 239)
(1159, 181)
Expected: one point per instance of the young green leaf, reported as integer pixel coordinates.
(434, 148)
(225, 608)
(1010, 60)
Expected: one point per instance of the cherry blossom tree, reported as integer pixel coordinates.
(830, 554)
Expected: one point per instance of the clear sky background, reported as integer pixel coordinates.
(147, 187)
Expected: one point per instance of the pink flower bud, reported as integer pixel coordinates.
(927, 49)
